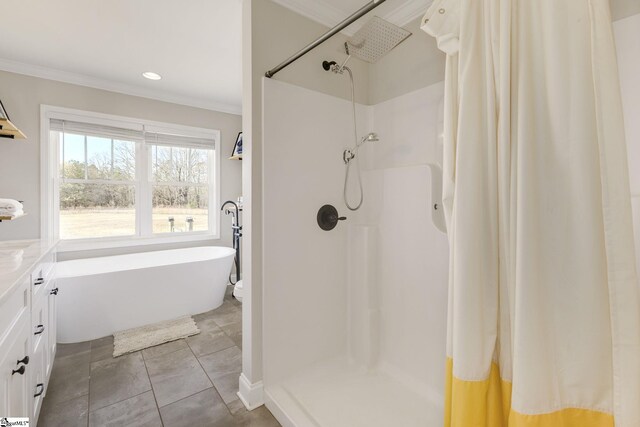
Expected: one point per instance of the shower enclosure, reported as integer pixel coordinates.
(354, 318)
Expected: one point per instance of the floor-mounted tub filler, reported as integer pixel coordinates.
(100, 296)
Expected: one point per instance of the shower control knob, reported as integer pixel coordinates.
(328, 217)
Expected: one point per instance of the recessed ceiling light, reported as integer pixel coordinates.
(151, 75)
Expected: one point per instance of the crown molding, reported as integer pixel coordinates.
(316, 10)
(408, 11)
(112, 86)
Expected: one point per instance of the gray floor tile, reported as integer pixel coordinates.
(137, 411)
(69, 377)
(224, 368)
(236, 406)
(102, 353)
(227, 314)
(230, 298)
(203, 409)
(72, 413)
(108, 340)
(208, 341)
(234, 331)
(114, 380)
(176, 375)
(63, 350)
(222, 362)
(260, 417)
(102, 349)
(163, 349)
(227, 386)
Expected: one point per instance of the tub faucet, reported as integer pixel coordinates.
(234, 211)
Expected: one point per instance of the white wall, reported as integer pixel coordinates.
(20, 160)
(627, 34)
(415, 64)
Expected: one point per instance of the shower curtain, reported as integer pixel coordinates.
(544, 306)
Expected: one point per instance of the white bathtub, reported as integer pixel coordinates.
(100, 296)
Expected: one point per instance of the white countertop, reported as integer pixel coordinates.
(17, 258)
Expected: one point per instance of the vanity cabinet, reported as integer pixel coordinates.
(28, 340)
(14, 383)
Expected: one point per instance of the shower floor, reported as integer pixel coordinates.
(332, 394)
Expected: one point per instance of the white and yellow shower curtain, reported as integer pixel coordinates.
(544, 306)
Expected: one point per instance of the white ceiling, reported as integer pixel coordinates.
(332, 12)
(194, 45)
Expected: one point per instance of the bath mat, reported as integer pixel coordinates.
(151, 335)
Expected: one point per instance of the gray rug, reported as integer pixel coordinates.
(151, 335)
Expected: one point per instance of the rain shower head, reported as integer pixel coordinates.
(375, 39)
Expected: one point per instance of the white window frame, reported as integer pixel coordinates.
(50, 181)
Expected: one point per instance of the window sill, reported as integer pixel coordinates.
(124, 242)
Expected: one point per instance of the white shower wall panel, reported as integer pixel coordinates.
(305, 268)
(412, 275)
(412, 253)
(410, 130)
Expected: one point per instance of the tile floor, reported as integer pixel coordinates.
(191, 382)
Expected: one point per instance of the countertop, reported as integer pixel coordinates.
(17, 258)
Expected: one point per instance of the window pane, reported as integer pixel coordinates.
(96, 210)
(180, 164)
(124, 160)
(180, 209)
(161, 164)
(73, 156)
(98, 158)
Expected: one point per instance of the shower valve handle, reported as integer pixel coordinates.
(328, 217)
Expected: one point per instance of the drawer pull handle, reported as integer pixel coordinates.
(39, 281)
(54, 291)
(20, 370)
(24, 360)
(40, 329)
(40, 391)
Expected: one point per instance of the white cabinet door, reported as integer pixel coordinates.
(38, 384)
(15, 388)
(40, 341)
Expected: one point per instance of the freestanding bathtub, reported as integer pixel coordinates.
(100, 296)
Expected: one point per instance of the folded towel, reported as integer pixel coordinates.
(10, 205)
(4, 212)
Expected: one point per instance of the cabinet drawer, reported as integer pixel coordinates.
(39, 281)
(14, 306)
(39, 323)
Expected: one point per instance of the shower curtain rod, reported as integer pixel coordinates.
(342, 25)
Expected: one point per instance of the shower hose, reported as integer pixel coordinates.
(353, 158)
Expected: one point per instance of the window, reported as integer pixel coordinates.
(129, 181)
(180, 188)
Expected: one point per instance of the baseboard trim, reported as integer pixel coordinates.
(251, 394)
